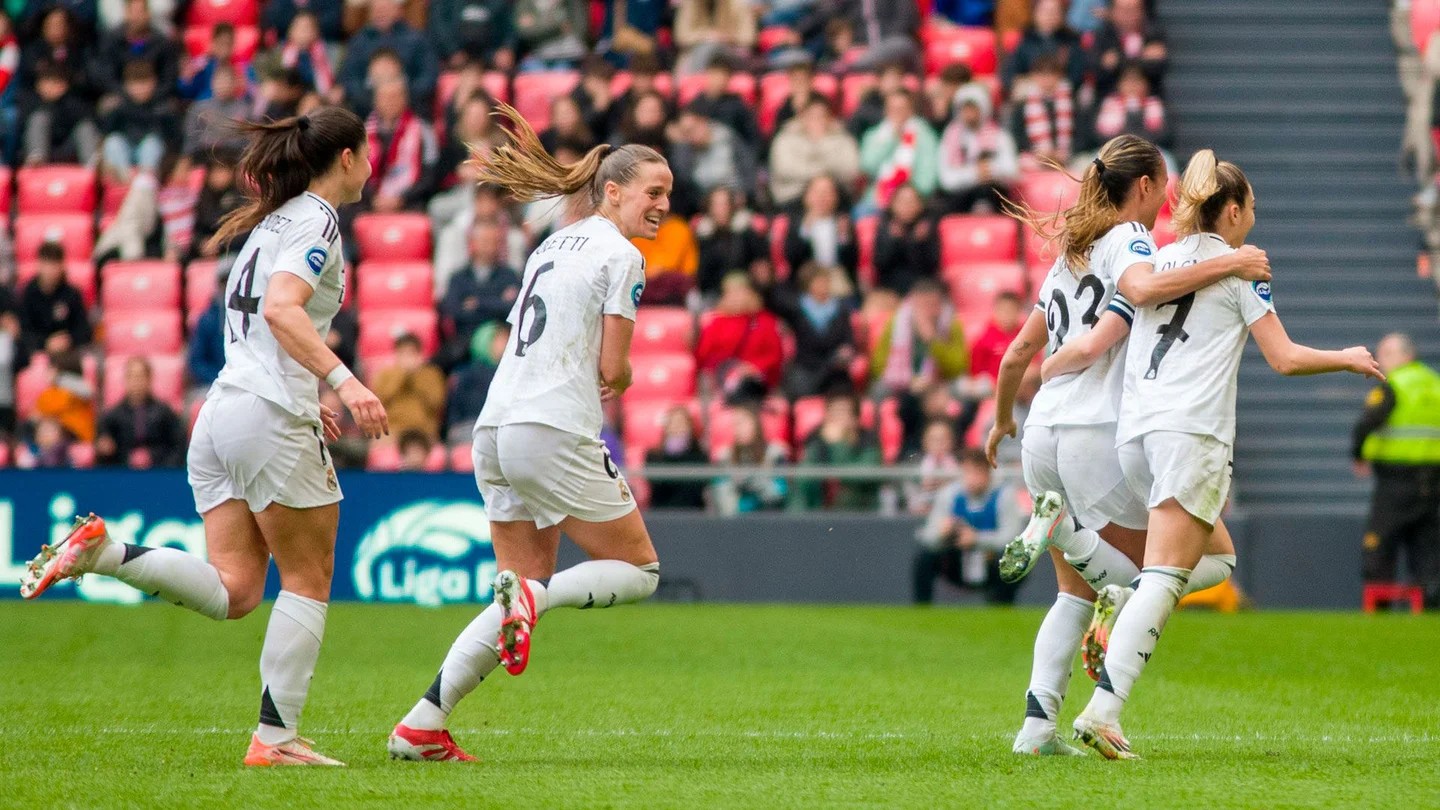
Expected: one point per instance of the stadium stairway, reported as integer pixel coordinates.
(1305, 98)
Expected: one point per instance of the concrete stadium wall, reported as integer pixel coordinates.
(424, 539)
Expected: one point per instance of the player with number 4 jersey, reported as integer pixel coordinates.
(1177, 422)
(539, 461)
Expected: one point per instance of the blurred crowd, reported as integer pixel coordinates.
(825, 270)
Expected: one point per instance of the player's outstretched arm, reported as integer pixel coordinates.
(1144, 287)
(1080, 353)
(1292, 359)
(1021, 352)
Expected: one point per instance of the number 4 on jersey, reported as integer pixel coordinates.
(241, 300)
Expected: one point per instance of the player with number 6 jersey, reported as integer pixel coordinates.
(539, 462)
(262, 478)
(1177, 422)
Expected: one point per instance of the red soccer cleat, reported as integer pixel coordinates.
(69, 559)
(421, 745)
(517, 605)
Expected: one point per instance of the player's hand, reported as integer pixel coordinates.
(1359, 360)
(365, 407)
(607, 393)
(1252, 264)
(330, 420)
(1002, 428)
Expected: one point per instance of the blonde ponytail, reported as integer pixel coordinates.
(1207, 186)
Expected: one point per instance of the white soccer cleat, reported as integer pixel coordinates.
(71, 558)
(1051, 746)
(1021, 554)
(1105, 738)
(1108, 603)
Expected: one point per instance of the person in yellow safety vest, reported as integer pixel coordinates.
(1398, 436)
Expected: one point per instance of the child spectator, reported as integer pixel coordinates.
(990, 346)
(900, 149)
(48, 448)
(68, 398)
(969, 524)
(304, 51)
(61, 42)
(207, 123)
(1133, 110)
(812, 144)
(824, 337)
(749, 448)
(52, 311)
(727, 240)
(1046, 38)
(821, 232)
(412, 390)
(1129, 35)
(840, 441)
(680, 444)
(889, 77)
(472, 383)
(140, 431)
(800, 71)
(644, 122)
(137, 39)
(483, 292)
(978, 159)
(205, 355)
(140, 129)
(597, 103)
(1043, 122)
(907, 244)
(402, 150)
(59, 128)
(197, 74)
(386, 30)
(740, 344)
(924, 343)
(938, 467)
(717, 103)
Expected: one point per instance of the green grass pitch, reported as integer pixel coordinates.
(707, 706)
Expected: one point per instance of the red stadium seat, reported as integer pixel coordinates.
(772, 36)
(462, 459)
(74, 232)
(775, 88)
(393, 236)
(235, 12)
(247, 41)
(663, 329)
(1048, 192)
(379, 328)
(968, 239)
(973, 288)
(5, 177)
(949, 44)
(167, 374)
(55, 189)
(664, 84)
(535, 91)
(140, 285)
(1424, 21)
(147, 332)
(645, 423)
(664, 376)
(865, 228)
(79, 273)
(741, 84)
(30, 382)
(200, 288)
(395, 285)
(852, 89)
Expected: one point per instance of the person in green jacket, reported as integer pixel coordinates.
(923, 344)
(840, 441)
(900, 149)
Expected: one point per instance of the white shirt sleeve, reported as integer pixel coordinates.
(305, 251)
(625, 283)
(1253, 300)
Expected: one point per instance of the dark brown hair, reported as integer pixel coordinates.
(283, 158)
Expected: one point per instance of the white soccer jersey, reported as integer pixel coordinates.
(302, 238)
(550, 374)
(1184, 356)
(1072, 306)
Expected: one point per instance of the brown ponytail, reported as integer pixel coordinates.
(283, 158)
(1104, 185)
(529, 173)
(1206, 188)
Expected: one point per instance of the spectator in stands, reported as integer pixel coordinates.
(48, 448)
(942, 93)
(969, 524)
(412, 390)
(136, 40)
(717, 103)
(1043, 120)
(824, 337)
(452, 240)
(386, 30)
(52, 311)
(707, 28)
(277, 16)
(800, 71)
(414, 448)
(552, 33)
(938, 467)
(840, 442)
(990, 346)
(473, 129)
(1133, 110)
(644, 122)
(1047, 37)
(727, 240)
(835, 44)
(59, 127)
(812, 144)
(924, 343)
(68, 397)
(680, 444)
(671, 261)
(873, 23)
(11, 358)
(594, 96)
(749, 448)
(483, 292)
(634, 35)
(140, 431)
(907, 243)
(402, 150)
(822, 232)
(207, 122)
(218, 197)
(140, 129)
(707, 154)
(567, 123)
(281, 92)
(480, 30)
(61, 42)
(899, 150)
(740, 344)
(205, 355)
(978, 158)
(644, 71)
(197, 73)
(305, 51)
(870, 112)
(933, 403)
(1129, 35)
(472, 383)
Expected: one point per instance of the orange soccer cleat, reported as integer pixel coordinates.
(71, 558)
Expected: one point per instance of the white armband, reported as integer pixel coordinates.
(338, 375)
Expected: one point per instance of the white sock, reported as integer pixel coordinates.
(1098, 562)
(473, 656)
(600, 584)
(167, 573)
(1212, 570)
(1056, 644)
(1133, 640)
(287, 662)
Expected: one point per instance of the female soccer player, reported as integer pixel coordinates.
(261, 476)
(539, 462)
(1069, 458)
(1177, 415)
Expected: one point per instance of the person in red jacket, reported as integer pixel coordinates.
(990, 347)
(740, 343)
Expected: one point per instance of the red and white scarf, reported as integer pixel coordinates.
(176, 204)
(1116, 109)
(1046, 135)
(900, 365)
(319, 64)
(397, 169)
(899, 167)
(971, 144)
